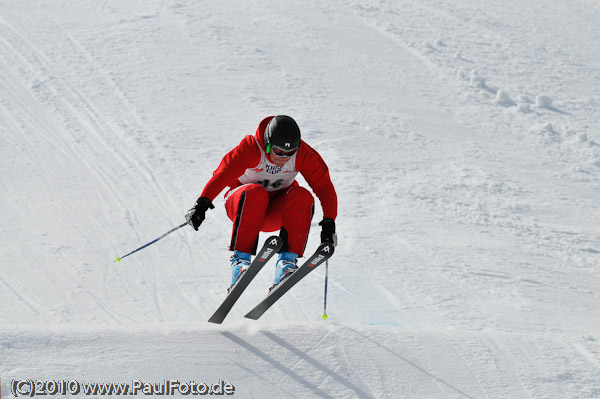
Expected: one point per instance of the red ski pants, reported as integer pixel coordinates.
(253, 209)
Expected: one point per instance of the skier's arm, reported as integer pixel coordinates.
(316, 174)
(232, 166)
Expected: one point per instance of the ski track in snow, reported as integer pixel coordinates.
(462, 139)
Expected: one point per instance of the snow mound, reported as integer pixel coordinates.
(542, 101)
(503, 99)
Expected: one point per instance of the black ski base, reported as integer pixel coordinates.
(322, 254)
(270, 248)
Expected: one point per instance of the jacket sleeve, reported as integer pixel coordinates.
(233, 165)
(316, 174)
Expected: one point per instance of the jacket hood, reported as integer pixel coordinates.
(260, 131)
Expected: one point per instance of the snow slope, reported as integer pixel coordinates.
(463, 141)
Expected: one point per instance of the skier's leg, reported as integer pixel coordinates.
(246, 208)
(291, 212)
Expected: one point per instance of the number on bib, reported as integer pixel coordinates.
(267, 183)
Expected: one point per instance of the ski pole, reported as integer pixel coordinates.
(325, 296)
(118, 259)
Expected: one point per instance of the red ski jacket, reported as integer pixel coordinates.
(248, 154)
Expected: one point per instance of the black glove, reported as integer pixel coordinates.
(195, 216)
(328, 231)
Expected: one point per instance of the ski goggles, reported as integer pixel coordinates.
(280, 152)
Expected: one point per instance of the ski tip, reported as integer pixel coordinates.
(327, 247)
(117, 259)
(274, 241)
(215, 320)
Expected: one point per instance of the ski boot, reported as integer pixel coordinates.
(285, 266)
(240, 262)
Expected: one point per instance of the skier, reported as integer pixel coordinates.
(263, 194)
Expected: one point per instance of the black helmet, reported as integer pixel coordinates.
(282, 132)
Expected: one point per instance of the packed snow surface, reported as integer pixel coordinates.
(463, 140)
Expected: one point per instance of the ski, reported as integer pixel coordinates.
(322, 253)
(270, 248)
